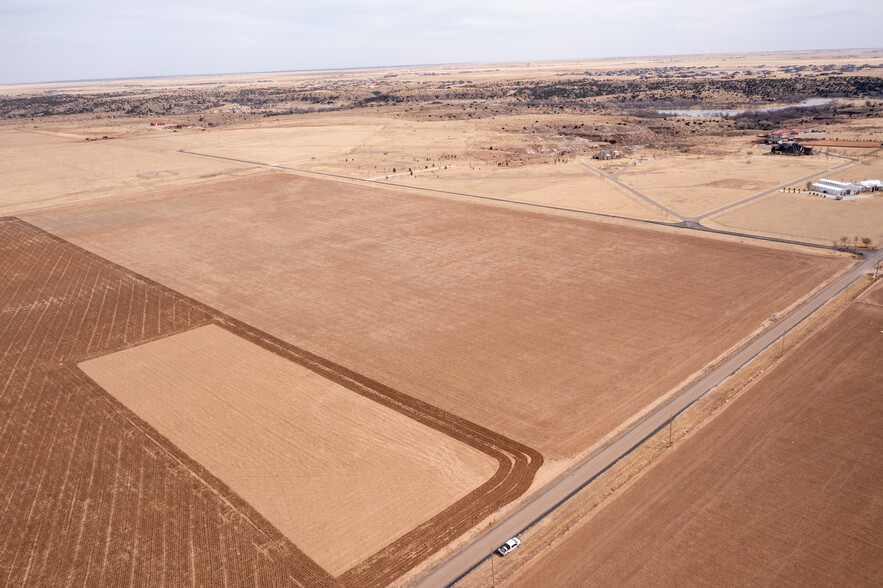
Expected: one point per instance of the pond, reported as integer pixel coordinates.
(706, 113)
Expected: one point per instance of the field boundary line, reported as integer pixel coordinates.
(690, 225)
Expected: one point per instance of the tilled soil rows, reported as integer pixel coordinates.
(780, 488)
(92, 495)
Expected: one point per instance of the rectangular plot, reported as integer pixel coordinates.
(336, 473)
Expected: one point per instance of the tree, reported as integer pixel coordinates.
(866, 241)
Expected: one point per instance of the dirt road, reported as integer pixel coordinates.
(471, 556)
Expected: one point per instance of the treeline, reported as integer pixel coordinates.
(663, 91)
(177, 103)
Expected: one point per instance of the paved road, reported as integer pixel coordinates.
(479, 550)
(615, 179)
(471, 556)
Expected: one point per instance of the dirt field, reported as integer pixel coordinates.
(782, 488)
(501, 335)
(564, 185)
(98, 496)
(523, 323)
(44, 168)
(335, 472)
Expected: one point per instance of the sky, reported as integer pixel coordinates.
(53, 40)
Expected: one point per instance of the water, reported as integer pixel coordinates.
(706, 113)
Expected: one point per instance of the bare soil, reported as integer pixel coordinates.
(335, 472)
(551, 330)
(98, 496)
(781, 488)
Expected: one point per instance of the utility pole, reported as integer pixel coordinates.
(493, 575)
(672, 418)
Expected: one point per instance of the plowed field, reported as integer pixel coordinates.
(335, 472)
(783, 488)
(93, 495)
(551, 330)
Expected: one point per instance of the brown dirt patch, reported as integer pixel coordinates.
(781, 487)
(43, 169)
(736, 184)
(335, 472)
(98, 496)
(524, 323)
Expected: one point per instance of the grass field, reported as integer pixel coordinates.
(807, 217)
(695, 185)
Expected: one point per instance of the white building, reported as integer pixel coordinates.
(870, 185)
(834, 188)
(841, 189)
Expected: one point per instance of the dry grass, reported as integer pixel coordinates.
(806, 218)
(694, 185)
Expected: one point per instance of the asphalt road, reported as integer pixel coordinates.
(471, 556)
(615, 179)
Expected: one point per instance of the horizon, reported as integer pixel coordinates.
(96, 40)
(429, 65)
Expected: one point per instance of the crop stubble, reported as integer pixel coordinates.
(97, 496)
